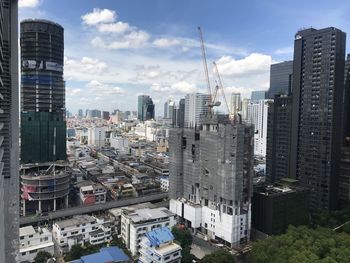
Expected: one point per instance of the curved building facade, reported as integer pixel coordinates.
(43, 124)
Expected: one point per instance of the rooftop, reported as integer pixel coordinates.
(159, 236)
(76, 220)
(147, 214)
(26, 231)
(106, 254)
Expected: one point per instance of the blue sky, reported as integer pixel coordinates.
(118, 49)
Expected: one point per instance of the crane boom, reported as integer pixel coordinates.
(204, 58)
(222, 87)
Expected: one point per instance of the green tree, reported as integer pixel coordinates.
(186, 255)
(303, 244)
(219, 256)
(76, 252)
(42, 257)
(183, 236)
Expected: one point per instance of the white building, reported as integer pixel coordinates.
(97, 136)
(164, 184)
(244, 111)
(32, 241)
(257, 115)
(235, 103)
(157, 246)
(119, 143)
(196, 104)
(81, 229)
(134, 224)
(93, 193)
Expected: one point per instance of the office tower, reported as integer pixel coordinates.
(43, 122)
(145, 108)
(9, 131)
(180, 114)
(318, 86)
(94, 114)
(80, 113)
(211, 178)
(244, 112)
(235, 103)
(278, 138)
(196, 105)
(166, 109)
(257, 115)
(258, 95)
(280, 79)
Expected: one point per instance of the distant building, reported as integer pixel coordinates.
(210, 178)
(80, 113)
(33, 241)
(119, 143)
(317, 116)
(97, 136)
(258, 95)
(106, 255)
(145, 108)
(196, 105)
(180, 114)
(235, 103)
(93, 193)
(158, 246)
(94, 114)
(134, 224)
(280, 79)
(278, 143)
(105, 115)
(274, 208)
(164, 184)
(71, 133)
(257, 115)
(244, 112)
(81, 229)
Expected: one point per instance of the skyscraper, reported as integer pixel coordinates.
(9, 132)
(278, 138)
(235, 103)
(211, 178)
(43, 122)
(145, 108)
(280, 79)
(258, 95)
(244, 112)
(196, 105)
(80, 113)
(318, 86)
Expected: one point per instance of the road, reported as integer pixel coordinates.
(91, 208)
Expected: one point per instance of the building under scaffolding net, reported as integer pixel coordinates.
(44, 187)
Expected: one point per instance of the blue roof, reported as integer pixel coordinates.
(159, 236)
(106, 255)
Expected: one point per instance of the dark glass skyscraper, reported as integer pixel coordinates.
(9, 108)
(145, 108)
(280, 79)
(258, 95)
(43, 123)
(318, 87)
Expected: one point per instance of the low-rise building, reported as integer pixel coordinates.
(164, 184)
(157, 246)
(33, 241)
(81, 229)
(106, 254)
(134, 224)
(92, 194)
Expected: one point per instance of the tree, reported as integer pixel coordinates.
(76, 252)
(183, 236)
(219, 256)
(186, 256)
(42, 257)
(303, 244)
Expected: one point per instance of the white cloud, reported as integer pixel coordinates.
(101, 89)
(166, 42)
(118, 27)
(98, 16)
(76, 69)
(255, 63)
(28, 3)
(182, 87)
(134, 39)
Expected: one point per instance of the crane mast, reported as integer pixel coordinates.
(221, 86)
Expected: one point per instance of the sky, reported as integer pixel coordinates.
(116, 50)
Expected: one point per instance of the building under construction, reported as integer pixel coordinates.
(211, 178)
(44, 187)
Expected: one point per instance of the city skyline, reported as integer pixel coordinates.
(152, 43)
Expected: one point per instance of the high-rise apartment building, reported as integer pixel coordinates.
(257, 115)
(9, 132)
(145, 108)
(258, 95)
(280, 79)
(235, 103)
(244, 112)
(196, 105)
(211, 178)
(43, 121)
(278, 138)
(318, 86)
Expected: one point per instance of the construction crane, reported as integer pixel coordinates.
(212, 102)
(221, 86)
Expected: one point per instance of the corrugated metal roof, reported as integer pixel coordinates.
(159, 236)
